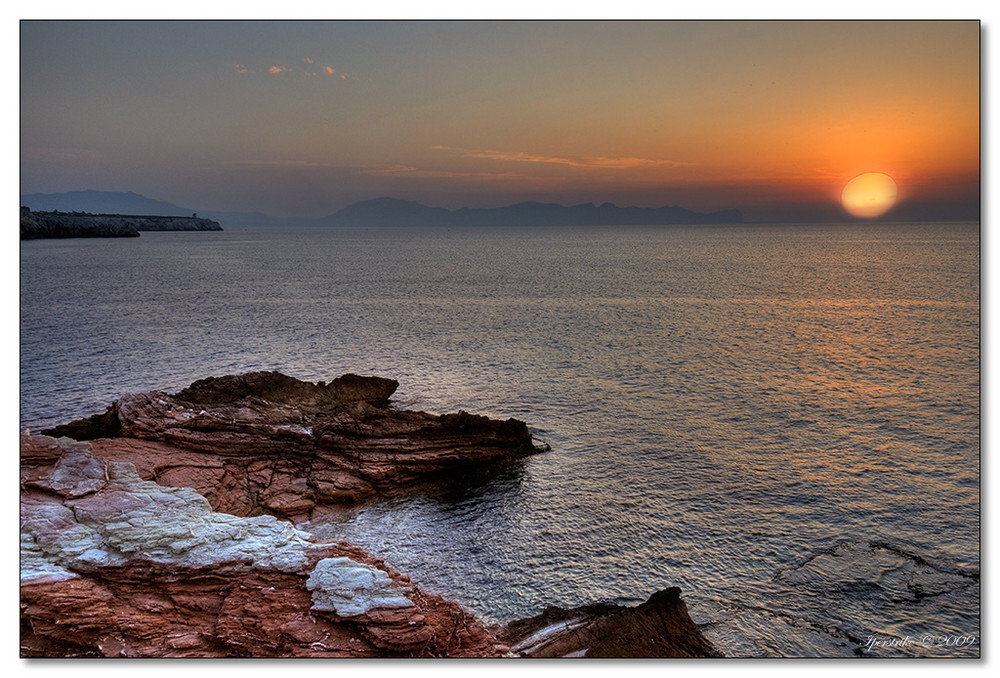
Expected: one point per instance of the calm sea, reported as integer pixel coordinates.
(781, 420)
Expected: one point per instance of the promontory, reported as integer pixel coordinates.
(36, 225)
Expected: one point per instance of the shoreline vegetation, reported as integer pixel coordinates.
(167, 527)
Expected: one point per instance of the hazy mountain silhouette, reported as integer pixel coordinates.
(116, 202)
(102, 202)
(389, 212)
(393, 212)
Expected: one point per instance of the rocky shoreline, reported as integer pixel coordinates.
(167, 527)
(41, 225)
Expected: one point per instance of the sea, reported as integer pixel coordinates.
(783, 420)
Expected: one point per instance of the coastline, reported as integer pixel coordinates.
(178, 512)
(36, 225)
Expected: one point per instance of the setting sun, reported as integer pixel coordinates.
(282, 261)
(869, 195)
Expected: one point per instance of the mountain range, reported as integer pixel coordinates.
(391, 212)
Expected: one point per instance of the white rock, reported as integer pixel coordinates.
(134, 519)
(350, 588)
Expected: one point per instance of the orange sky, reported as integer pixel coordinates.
(304, 118)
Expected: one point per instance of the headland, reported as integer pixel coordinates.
(37, 225)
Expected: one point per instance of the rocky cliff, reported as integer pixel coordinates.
(36, 225)
(163, 531)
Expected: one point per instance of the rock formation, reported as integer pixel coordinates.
(112, 565)
(154, 534)
(660, 627)
(268, 443)
(35, 225)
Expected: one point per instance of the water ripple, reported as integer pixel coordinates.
(783, 421)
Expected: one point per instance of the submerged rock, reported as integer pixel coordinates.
(265, 442)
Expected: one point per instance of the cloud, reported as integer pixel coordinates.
(286, 163)
(473, 175)
(298, 164)
(375, 170)
(591, 162)
(410, 171)
(308, 69)
(386, 171)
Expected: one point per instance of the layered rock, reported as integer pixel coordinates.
(268, 443)
(196, 564)
(112, 565)
(659, 627)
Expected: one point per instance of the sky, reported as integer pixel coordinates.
(300, 119)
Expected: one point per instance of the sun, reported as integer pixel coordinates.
(869, 195)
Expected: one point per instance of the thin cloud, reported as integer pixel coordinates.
(408, 170)
(590, 162)
(375, 171)
(309, 68)
(386, 171)
(474, 175)
(286, 163)
(313, 164)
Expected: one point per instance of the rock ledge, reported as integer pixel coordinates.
(264, 442)
(160, 531)
(112, 565)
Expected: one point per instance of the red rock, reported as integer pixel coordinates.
(268, 443)
(132, 569)
(196, 565)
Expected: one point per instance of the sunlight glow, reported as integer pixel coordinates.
(869, 195)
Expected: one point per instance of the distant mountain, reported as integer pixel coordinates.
(102, 202)
(393, 212)
(389, 212)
